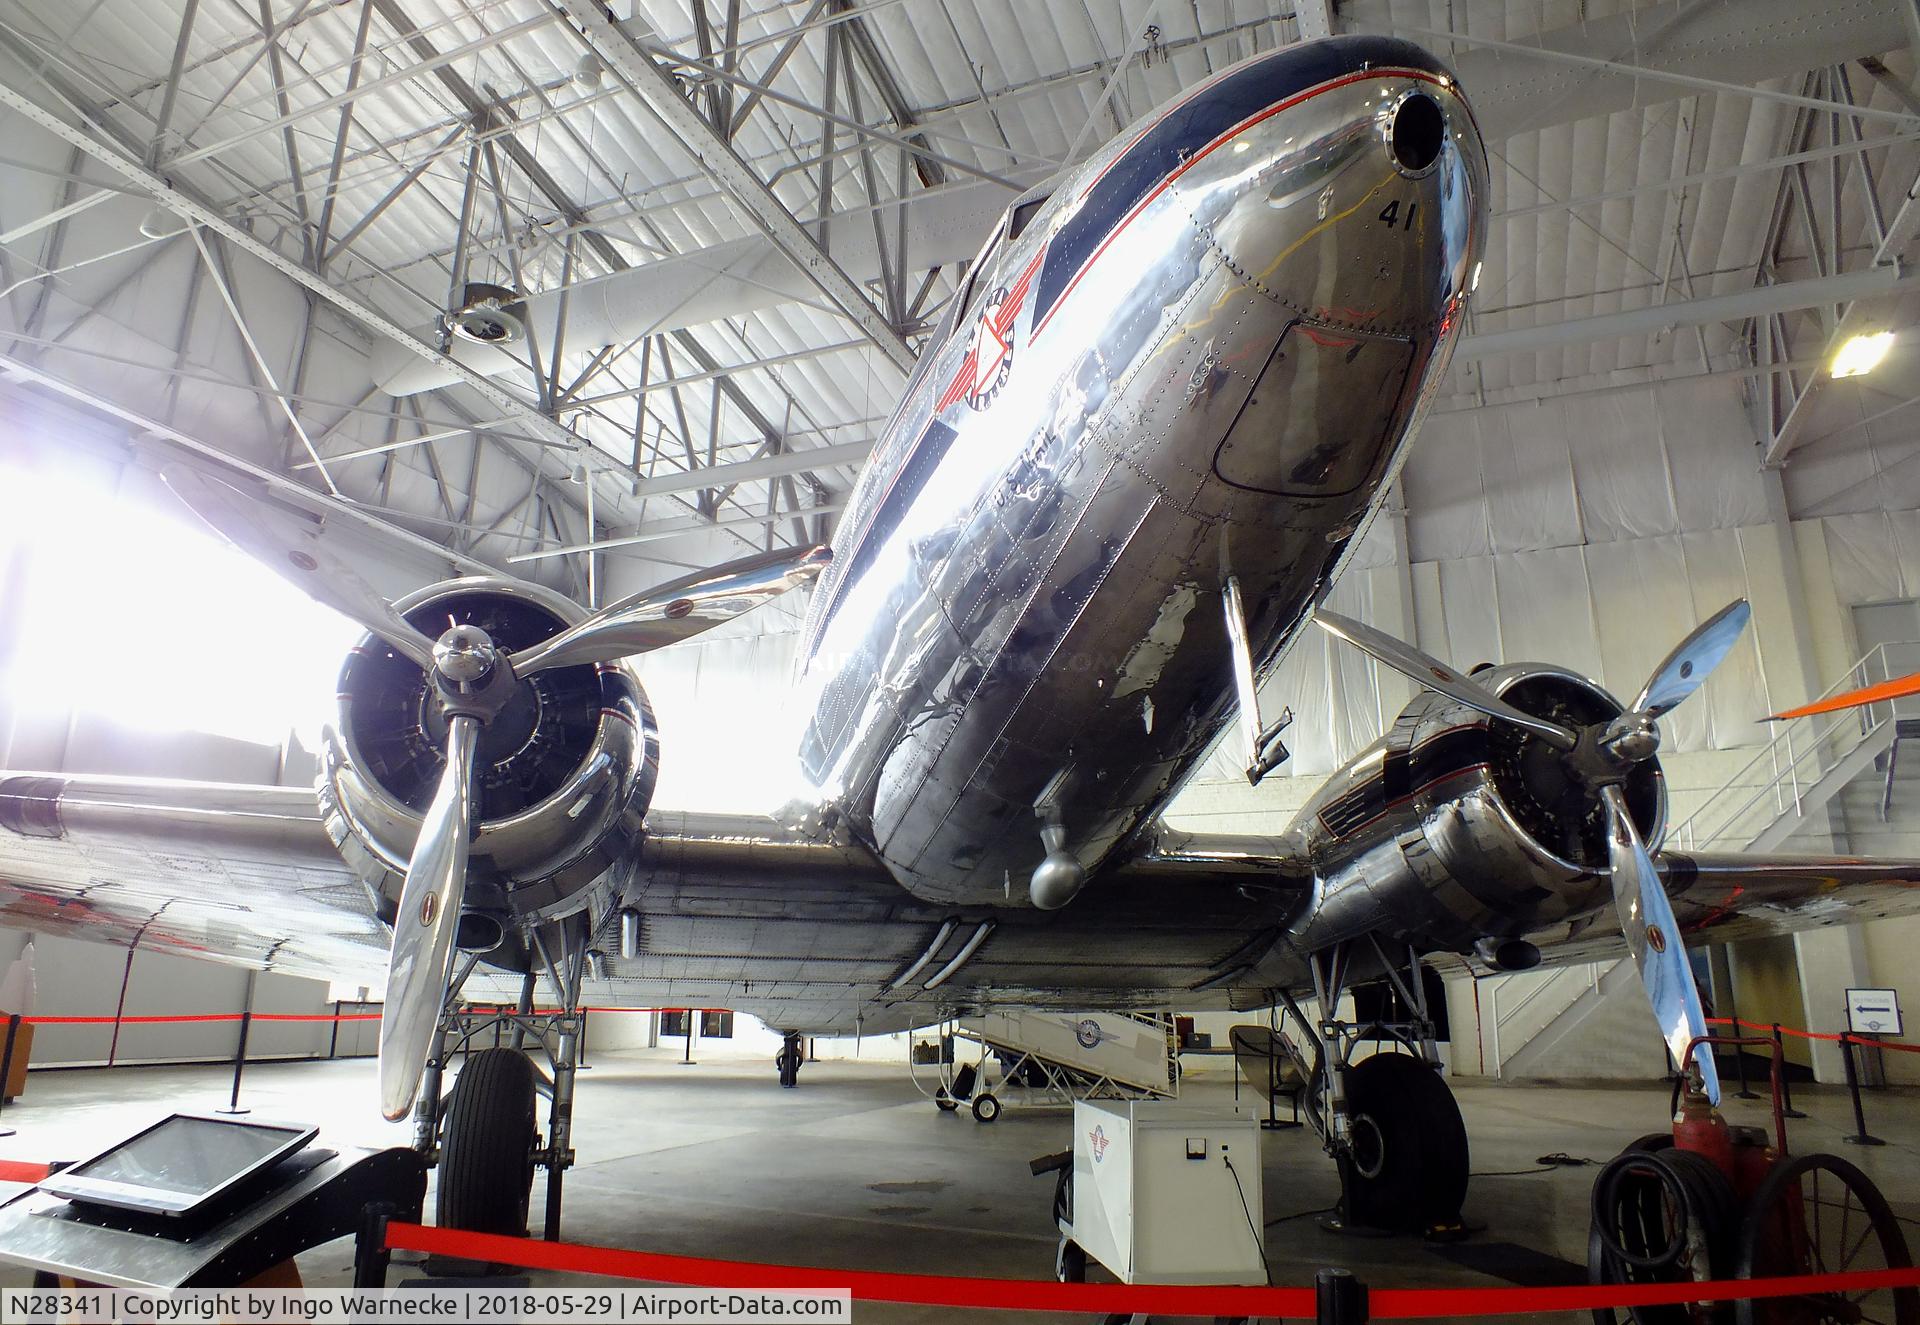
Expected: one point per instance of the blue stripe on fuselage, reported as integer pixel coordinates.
(1194, 123)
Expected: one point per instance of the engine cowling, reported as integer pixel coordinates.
(563, 778)
(1454, 829)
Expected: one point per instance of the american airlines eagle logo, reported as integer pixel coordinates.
(1097, 1141)
(989, 357)
(992, 355)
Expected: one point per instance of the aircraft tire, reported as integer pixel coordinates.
(1408, 1167)
(486, 1147)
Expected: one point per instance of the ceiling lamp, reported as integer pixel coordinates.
(160, 223)
(489, 315)
(1862, 354)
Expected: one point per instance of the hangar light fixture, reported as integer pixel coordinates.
(1862, 354)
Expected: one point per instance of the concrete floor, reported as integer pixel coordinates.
(856, 1170)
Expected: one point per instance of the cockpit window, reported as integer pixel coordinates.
(1023, 214)
(971, 290)
(1320, 414)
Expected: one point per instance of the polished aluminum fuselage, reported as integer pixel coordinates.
(1201, 357)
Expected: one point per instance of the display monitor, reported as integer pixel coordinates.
(180, 1163)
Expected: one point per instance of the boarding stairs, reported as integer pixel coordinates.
(1789, 783)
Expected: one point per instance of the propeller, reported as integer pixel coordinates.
(1436, 675)
(289, 545)
(1653, 936)
(429, 911)
(473, 679)
(671, 612)
(1601, 757)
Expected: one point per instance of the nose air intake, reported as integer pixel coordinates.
(1417, 133)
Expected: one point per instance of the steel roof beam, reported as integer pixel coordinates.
(657, 89)
(542, 179)
(748, 471)
(1760, 301)
(1893, 239)
(679, 529)
(176, 200)
(140, 426)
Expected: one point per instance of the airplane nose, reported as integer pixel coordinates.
(1358, 203)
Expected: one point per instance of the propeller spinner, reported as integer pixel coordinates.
(473, 679)
(1600, 757)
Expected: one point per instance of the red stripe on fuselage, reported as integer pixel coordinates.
(1184, 166)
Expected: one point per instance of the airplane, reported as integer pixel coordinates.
(1898, 687)
(1156, 419)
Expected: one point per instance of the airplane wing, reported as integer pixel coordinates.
(222, 871)
(1722, 897)
(735, 911)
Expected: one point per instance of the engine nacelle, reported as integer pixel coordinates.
(1455, 828)
(564, 773)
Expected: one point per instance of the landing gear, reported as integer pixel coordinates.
(1406, 1166)
(486, 1162)
(793, 1052)
(1388, 1120)
(483, 1133)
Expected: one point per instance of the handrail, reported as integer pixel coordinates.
(1691, 834)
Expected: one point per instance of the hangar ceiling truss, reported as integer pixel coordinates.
(733, 223)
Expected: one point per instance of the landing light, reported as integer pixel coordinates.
(1242, 145)
(1862, 354)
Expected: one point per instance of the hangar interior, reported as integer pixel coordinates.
(281, 238)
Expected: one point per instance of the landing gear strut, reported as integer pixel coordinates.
(793, 1052)
(1388, 1120)
(482, 1133)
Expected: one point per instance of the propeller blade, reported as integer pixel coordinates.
(1436, 675)
(1693, 659)
(1653, 936)
(677, 610)
(290, 547)
(1898, 688)
(424, 924)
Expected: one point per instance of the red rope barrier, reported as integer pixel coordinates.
(158, 1019)
(1848, 1036)
(1037, 1295)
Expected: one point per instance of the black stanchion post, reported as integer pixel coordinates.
(370, 1255)
(1339, 1298)
(1786, 1087)
(239, 1064)
(1860, 1136)
(6, 1063)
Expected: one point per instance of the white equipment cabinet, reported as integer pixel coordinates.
(1154, 1198)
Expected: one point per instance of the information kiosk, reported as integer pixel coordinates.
(198, 1201)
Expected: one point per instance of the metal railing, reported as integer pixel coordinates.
(1775, 782)
(1505, 1019)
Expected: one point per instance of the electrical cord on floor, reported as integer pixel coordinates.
(1559, 1159)
(1302, 1214)
(1259, 1236)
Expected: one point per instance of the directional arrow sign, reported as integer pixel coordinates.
(1873, 1012)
